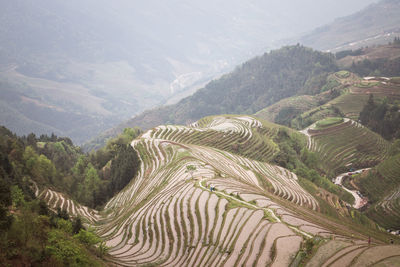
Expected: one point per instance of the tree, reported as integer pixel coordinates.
(80, 166)
(88, 237)
(190, 169)
(65, 250)
(5, 201)
(17, 196)
(91, 185)
(31, 140)
(43, 209)
(5, 193)
(77, 225)
(62, 213)
(123, 167)
(92, 241)
(30, 158)
(47, 170)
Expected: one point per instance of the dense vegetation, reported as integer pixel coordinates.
(35, 236)
(378, 67)
(375, 61)
(382, 117)
(29, 232)
(345, 53)
(384, 178)
(261, 82)
(55, 162)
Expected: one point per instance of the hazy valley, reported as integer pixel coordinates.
(290, 159)
(93, 64)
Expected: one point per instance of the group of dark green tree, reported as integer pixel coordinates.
(90, 178)
(375, 67)
(31, 233)
(383, 117)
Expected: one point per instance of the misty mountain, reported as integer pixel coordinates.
(91, 64)
(378, 23)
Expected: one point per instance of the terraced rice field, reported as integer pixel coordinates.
(57, 200)
(384, 184)
(341, 253)
(347, 144)
(241, 134)
(351, 103)
(168, 216)
(387, 211)
(294, 105)
(352, 100)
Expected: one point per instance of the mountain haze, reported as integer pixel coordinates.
(292, 158)
(378, 23)
(92, 63)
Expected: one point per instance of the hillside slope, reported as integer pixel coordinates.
(382, 185)
(254, 85)
(287, 109)
(193, 205)
(343, 94)
(346, 145)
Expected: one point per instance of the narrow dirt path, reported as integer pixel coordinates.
(359, 201)
(305, 132)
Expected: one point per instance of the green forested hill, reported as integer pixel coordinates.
(254, 85)
(32, 234)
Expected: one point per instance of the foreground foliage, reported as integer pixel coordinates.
(37, 236)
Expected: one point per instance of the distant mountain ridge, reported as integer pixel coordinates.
(378, 23)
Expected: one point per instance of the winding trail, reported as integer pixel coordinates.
(305, 132)
(359, 201)
(312, 126)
